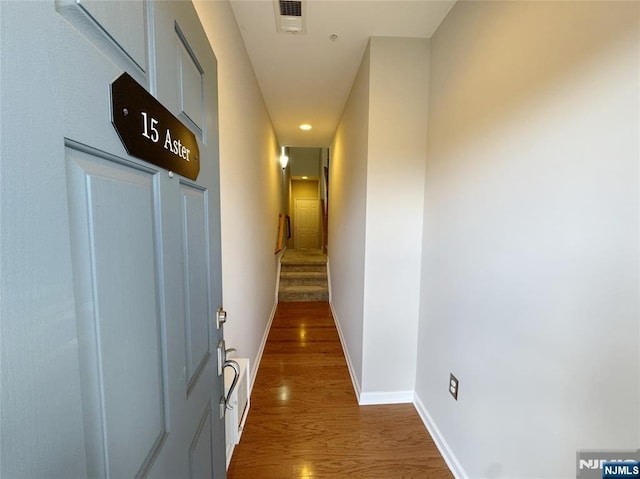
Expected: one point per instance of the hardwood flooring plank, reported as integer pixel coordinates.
(305, 421)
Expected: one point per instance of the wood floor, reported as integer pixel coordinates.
(305, 422)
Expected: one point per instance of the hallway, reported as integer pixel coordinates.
(305, 422)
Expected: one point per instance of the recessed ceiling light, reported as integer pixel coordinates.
(305, 126)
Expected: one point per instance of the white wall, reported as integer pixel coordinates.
(399, 75)
(347, 208)
(530, 253)
(305, 161)
(251, 186)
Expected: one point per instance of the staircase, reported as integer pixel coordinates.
(303, 276)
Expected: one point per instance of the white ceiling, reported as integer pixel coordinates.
(306, 77)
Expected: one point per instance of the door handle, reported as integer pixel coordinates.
(230, 363)
(223, 351)
(222, 356)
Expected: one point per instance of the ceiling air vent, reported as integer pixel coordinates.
(289, 17)
(290, 8)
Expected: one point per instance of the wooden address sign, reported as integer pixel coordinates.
(150, 132)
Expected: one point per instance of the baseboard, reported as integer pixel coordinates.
(329, 279)
(449, 457)
(394, 397)
(261, 349)
(354, 378)
(266, 332)
(278, 268)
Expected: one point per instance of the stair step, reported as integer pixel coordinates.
(303, 276)
(303, 293)
(300, 257)
(308, 267)
(321, 283)
(289, 278)
(304, 261)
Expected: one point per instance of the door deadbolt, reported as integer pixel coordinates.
(221, 317)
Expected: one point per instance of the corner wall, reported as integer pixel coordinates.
(375, 217)
(399, 75)
(347, 212)
(251, 186)
(530, 251)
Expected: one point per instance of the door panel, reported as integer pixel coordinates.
(108, 300)
(192, 365)
(119, 30)
(112, 223)
(200, 456)
(124, 22)
(196, 251)
(191, 91)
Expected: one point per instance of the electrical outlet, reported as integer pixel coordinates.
(453, 386)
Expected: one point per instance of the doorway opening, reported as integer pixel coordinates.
(306, 200)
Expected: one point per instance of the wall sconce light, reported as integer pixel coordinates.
(284, 159)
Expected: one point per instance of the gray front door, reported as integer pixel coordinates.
(109, 266)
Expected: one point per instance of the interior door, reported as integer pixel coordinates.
(306, 221)
(109, 265)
